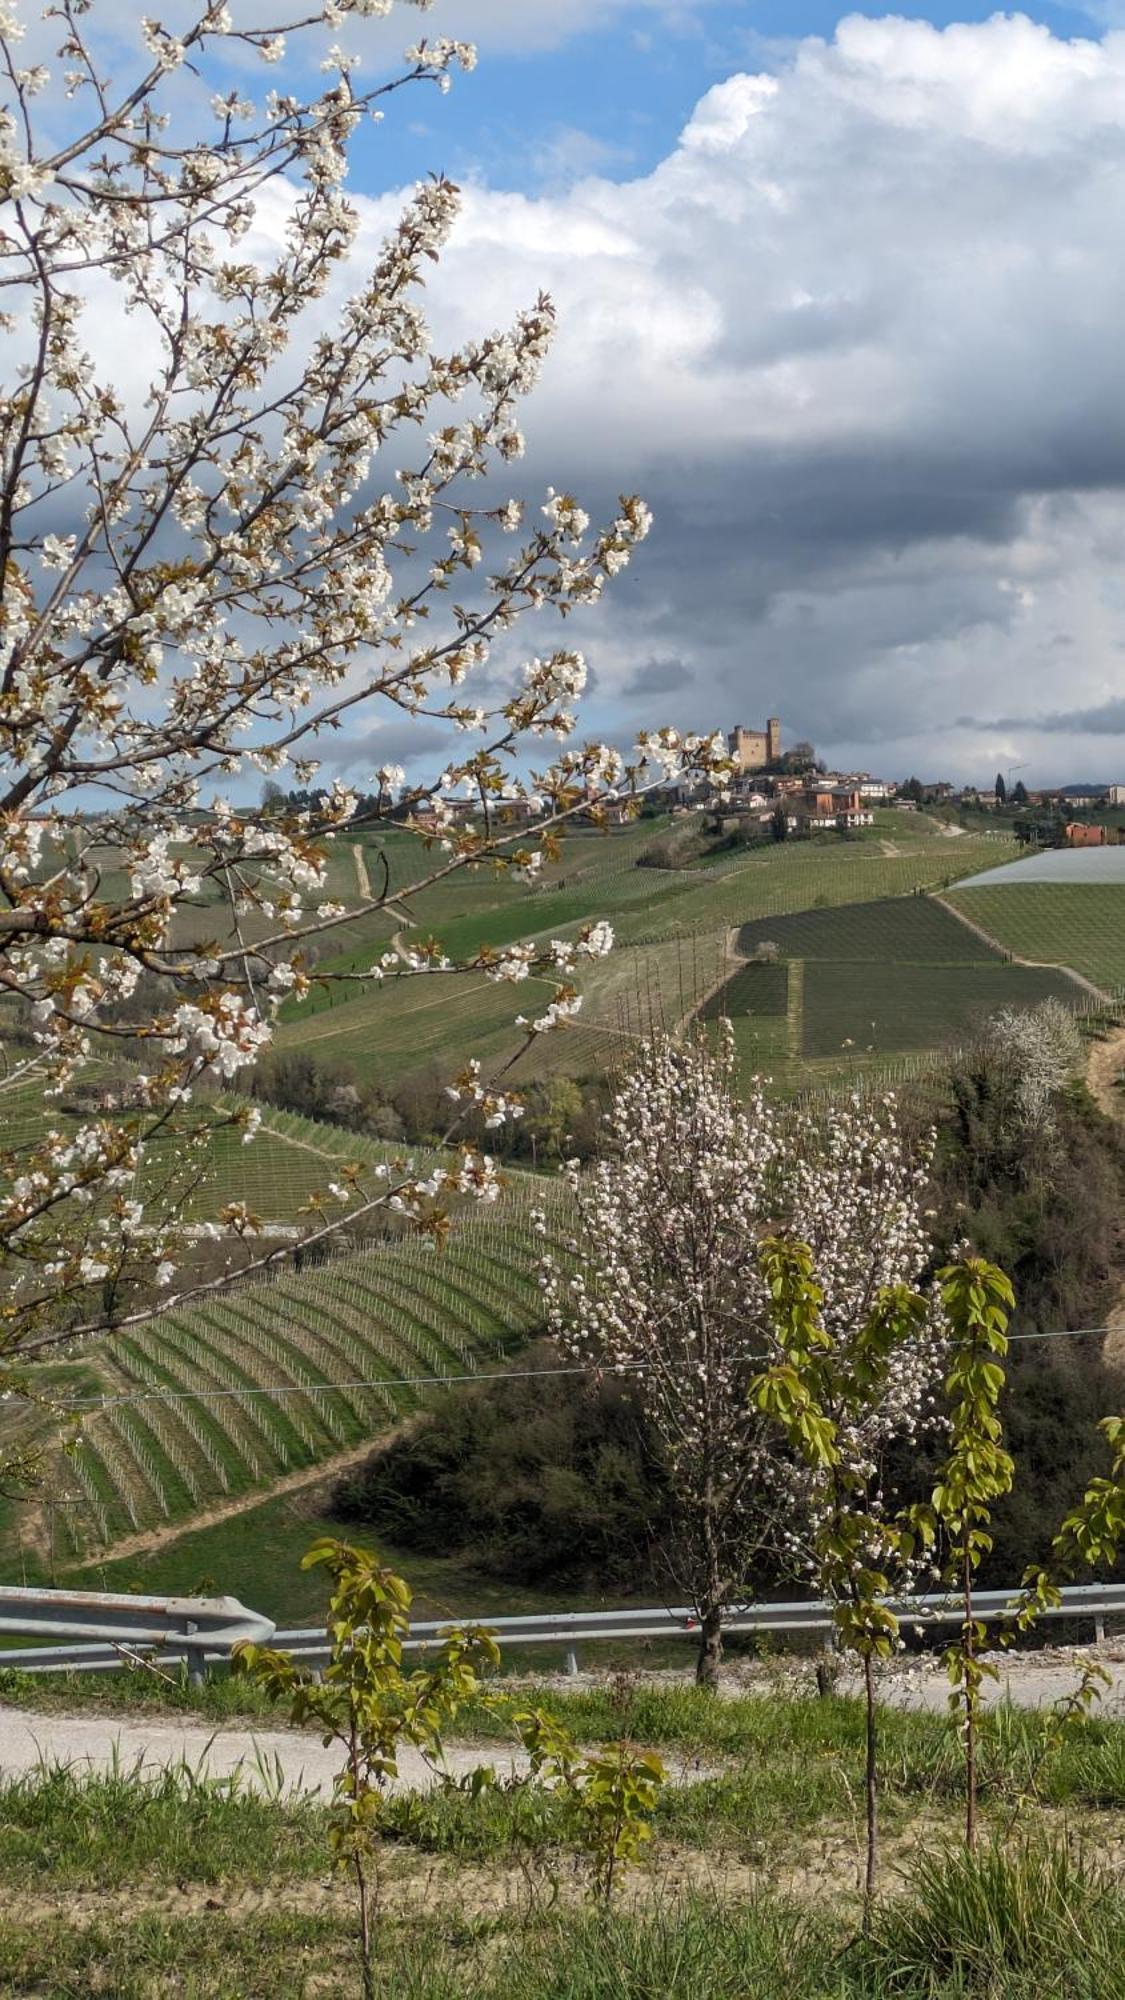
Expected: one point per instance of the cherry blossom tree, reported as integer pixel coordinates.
(241, 508)
(664, 1283)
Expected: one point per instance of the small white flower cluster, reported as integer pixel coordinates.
(562, 1009)
(222, 1034)
(498, 1107)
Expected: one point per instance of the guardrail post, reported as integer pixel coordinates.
(1099, 1627)
(571, 1663)
(196, 1659)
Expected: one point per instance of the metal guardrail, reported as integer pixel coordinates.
(117, 1630)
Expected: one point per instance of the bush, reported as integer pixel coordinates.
(535, 1479)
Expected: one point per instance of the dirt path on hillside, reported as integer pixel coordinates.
(361, 874)
(1040, 964)
(367, 893)
(731, 957)
(325, 1469)
(304, 1146)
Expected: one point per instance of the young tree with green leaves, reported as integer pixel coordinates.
(819, 1393)
(368, 1705)
(977, 1472)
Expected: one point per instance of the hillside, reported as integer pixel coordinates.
(1080, 924)
(270, 1384)
(198, 1407)
(673, 928)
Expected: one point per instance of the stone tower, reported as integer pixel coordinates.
(773, 739)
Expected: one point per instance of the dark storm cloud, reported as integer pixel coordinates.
(402, 742)
(657, 677)
(1107, 719)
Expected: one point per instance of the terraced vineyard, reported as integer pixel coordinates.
(1080, 924)
(290, 1159)
(912, 929)
(754, 989)
(434, 1019)
(228, 1396)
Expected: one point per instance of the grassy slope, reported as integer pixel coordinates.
(810, 875)
(404, 1027)
(864, 982)
(1080, 924)
(410, 1024)
(749, 1885)
(892, 1007)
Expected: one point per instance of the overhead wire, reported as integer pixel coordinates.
(320, 1388)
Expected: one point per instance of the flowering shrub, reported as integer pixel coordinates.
(667, 1285)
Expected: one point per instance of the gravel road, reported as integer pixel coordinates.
(1033, 1680)
(99, 1742)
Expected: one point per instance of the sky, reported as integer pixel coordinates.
(841, 294)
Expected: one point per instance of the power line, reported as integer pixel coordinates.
(314, 1389)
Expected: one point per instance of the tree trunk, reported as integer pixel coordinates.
(711, 1598)
(367, 1969)
(871, 1790)
(710, 1648)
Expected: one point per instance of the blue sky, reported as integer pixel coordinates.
(609, 97)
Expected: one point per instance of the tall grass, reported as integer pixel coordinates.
(1042, 1921)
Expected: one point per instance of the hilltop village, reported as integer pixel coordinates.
(789, 793)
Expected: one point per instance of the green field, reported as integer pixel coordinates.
(910, 929)
(411, 1025)
(1080, 924)
(861, 982)
(753, 989)
(443, 1019)
(807, 875)
(888, 1007)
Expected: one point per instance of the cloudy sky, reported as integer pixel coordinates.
(842, 294)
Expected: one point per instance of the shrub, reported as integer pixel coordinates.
(536, 1479)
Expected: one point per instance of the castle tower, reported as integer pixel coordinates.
(773, 739)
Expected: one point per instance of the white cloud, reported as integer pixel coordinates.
(858, 338)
